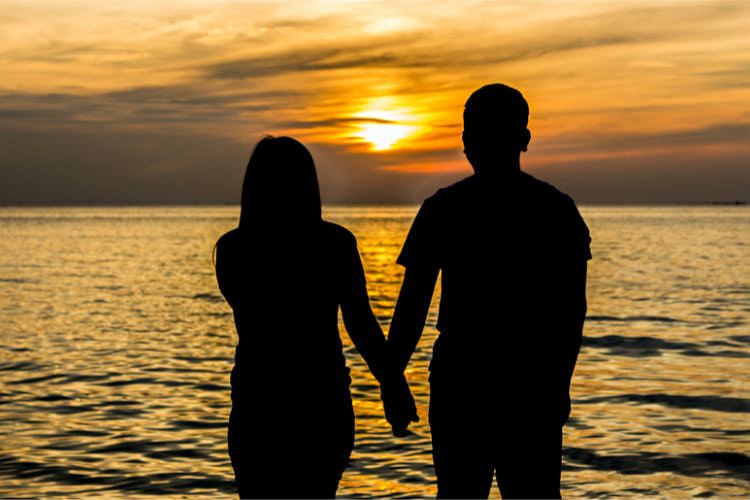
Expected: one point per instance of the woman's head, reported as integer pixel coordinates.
(280, 186)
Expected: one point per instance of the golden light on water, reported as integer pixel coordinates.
(116, 360)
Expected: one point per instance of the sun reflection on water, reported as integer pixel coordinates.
(114, 370)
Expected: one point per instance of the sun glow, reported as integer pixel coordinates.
(384, 126)
(383, 136)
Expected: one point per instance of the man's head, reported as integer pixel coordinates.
(495, 127)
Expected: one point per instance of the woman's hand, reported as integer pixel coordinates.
(398, 404)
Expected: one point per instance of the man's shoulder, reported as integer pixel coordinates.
(453, 193)
(546, 195)
(560, 209)
(544, 189)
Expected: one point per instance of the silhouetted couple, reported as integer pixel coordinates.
(513, 253)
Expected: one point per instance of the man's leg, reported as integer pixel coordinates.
(529, 461)
(462, 465)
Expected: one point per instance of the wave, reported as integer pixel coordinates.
(619, 345)
(655, 319)
(163, 483)
(726, 464)
(20, 281)
(209, 297)
(712, 403)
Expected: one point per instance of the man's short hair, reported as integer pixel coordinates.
(496, 106)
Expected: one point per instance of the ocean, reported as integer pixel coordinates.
(117, 347)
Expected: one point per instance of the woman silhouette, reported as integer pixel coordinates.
(285, 272)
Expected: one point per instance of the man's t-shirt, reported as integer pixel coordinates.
(508, 249)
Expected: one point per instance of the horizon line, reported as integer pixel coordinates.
(363, 204)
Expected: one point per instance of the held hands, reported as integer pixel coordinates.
(398, 404)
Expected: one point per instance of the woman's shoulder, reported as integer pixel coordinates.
(229, 238)
(228, 243)
(338, 234)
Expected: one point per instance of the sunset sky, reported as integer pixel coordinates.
(162, 101)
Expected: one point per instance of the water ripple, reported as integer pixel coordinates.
(713, 403)
(118, 347)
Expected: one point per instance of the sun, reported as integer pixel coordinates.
(383, 125)
(383, 136)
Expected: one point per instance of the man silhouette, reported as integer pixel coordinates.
(513, 252)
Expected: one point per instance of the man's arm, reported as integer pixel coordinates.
(406, 328)
(573, 301)
(577, 308)
(365, 332)
(411, 312)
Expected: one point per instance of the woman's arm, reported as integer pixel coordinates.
(360, 322)
(368, 338)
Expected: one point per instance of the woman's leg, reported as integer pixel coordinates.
(303, 457)
(240, 456)
(328, 448)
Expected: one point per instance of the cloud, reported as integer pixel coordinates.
(143, 95)
(436, 49)
(723, 134)
(322, 59)
(732, 76)
(193, 95)
(658, 179)
(332, 122)
(109, 167)
(436, 56)
(139, 106)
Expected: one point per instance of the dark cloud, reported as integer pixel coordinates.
(734, 77)
(308, 60)
(657, 179)
(330, 122)
(34, 114)
(435, 57)
(94, 164)
(110, 167)
(139, 106)
(195, 95)
(57, 51)
(599, 142)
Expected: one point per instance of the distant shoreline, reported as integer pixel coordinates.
(715, 203)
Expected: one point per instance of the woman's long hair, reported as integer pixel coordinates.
(280, 190)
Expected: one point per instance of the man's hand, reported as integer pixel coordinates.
(398, 404)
